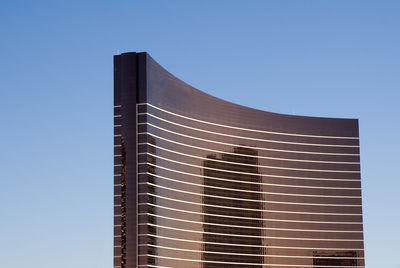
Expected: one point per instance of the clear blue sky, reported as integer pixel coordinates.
(337, 58)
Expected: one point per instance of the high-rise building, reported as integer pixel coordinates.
(202, 182)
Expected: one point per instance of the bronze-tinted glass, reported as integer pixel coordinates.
(201, 182)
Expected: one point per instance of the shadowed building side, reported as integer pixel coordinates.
(241, 224)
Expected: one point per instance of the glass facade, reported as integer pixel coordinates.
(201, 182)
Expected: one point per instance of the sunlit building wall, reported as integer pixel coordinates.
(202, 182)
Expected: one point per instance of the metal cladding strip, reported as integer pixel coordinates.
(248, 227)
(250, 209)
(250, 246)
(250, 182)
(261, 175)
(264, 192)
(249, 138)
(244, 146)
(265, 149)
(248, 218)
(246, 263)
(249, 173)
(236, 154)
(245, 254)
(244, 164)
(246, 129)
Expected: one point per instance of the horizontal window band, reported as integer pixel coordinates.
(245, 173)
(238, 145)
(264, 192)
(247, 254)
(247, 227)
(249, 209)
(118, 165)
(117, 106)
(246, 182)
(269, 266)
(250, 246)
(246, 263)
(262, 175)
(236, 154)
(117, 145)
(117, 115)
(117, 175)
(252, 209)
(117, 125)
(246, 129)
(262, 228)
(117, 155)
(249, 147)
(244, 164)
(249, 165)
(244, 199)
(248, 138)
(261, 236)
(247, 218)
(226, 170)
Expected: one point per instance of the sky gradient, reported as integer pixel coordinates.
(317, 57)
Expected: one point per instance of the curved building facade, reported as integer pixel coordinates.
(202, 182)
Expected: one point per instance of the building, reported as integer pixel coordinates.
(202, 182)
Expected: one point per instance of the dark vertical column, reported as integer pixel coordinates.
(141, 97)
(118, 250)
(128, 100)
(142, 77)
(126, 91)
